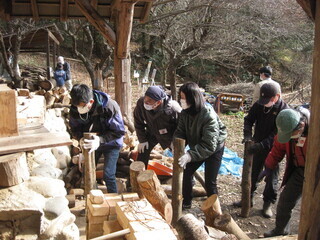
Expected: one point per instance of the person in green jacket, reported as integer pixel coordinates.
(205, 134)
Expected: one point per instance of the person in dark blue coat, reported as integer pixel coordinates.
(60, 75)
(95, 111)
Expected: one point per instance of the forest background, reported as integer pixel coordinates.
(211, 42)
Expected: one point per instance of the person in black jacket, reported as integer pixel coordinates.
(262, 115)
(155, 120)
(94, 111)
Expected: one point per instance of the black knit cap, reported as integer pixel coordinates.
(156, 93)
(266, 70)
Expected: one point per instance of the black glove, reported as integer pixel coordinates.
(254, 148)
(265, 173)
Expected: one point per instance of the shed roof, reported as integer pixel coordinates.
(65, 9)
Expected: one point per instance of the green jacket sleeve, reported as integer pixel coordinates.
(210, 132)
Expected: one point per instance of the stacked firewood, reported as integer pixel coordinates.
(55, 97)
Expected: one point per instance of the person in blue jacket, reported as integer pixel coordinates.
(95, 111)
(60, 75)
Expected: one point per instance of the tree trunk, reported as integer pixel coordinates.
(246, 181)
(190, 228)
(135, 169)
(172, 80)
(211, 209)
(152, 190)
(226, 223)
(179, 145)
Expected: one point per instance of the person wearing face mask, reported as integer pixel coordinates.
(262, 115)
(155, 120)
(290, 142)
(95, 111)
(265, 77)
(205, 134)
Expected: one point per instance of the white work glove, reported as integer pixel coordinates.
(92, 144)
(175, 106)
(142, 146)
(79, 160)
(184, 159)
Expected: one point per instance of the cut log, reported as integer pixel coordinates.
(8, 112)
(179, 145)
(151, 188)
(196, 191)
(190, 228)
(47, 84)
(13, 169)
(136, 168)
(90, 168)
(211, 209)
(72, 200)
(23, 92)
(246, 181)
(226, 223)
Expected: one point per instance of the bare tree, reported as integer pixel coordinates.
(83, 47)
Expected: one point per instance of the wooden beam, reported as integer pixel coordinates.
(94, 4)
(146, 12)
(34, 9)
(53, 37)
(97, 21)
(124, 28)
(310, 205)
(63, 10)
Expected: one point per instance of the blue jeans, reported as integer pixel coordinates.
(110, 166)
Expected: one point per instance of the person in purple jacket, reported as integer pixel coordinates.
(94, 111)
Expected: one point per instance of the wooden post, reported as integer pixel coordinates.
(226, 223)
(123, 84)
(246, 181)
(48, 56)
(54, 55)
(310, 205)
(179, 145)
(90, 167)
(136, 168)
(152, 190)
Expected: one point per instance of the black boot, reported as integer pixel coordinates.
(275, 232)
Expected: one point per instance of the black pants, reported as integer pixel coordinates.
(212, 165)
(289, 197)
(270, 191)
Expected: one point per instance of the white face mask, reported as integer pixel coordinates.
(296, 136)
(184, 104)
(84, 109)
(148, 107)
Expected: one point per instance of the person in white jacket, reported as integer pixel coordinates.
(265, 77)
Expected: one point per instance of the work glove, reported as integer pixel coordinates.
(79, 160)
(254, 148)
(265, 173)
(142, 146)
(92, 144)
(175, 106)
(184, 159)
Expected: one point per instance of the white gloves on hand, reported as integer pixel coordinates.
(142, 146)
(184, 159)
(175, 106)
(92, 144)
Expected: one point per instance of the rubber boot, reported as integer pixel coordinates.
(275, 232)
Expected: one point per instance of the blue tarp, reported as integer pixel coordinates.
(231, 163)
